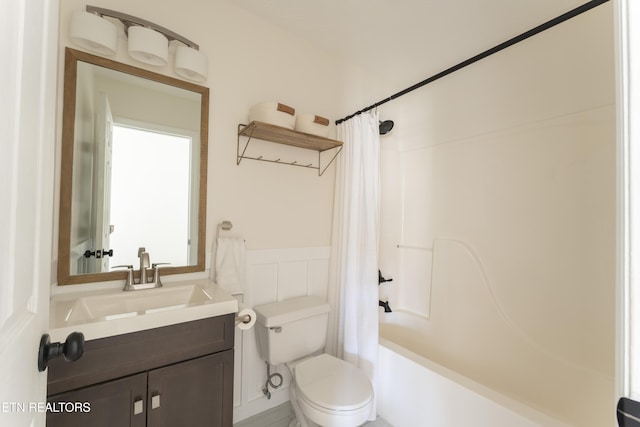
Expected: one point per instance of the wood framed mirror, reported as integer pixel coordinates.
(133, 170)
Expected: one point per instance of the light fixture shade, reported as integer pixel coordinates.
(94, 33)
(191, 64)
(148, 46)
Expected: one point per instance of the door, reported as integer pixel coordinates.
(27, 134)
(117, 403)
(196, 393)
(628, 301)
(101, 210)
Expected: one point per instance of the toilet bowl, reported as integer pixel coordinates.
(324, 390)
(331, 392)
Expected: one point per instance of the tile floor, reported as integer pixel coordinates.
(379, 422)
(282, 415)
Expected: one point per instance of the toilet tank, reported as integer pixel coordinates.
(290, 329)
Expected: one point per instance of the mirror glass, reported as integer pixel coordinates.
(134, 147)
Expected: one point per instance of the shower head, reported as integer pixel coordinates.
(385, 127)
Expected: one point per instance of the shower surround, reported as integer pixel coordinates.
(498, 221)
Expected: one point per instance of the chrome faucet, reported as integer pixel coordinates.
(144, 282)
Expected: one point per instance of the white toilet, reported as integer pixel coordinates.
(324, 390)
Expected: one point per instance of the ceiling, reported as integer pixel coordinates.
(406, 41)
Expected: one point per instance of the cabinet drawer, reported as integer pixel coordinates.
(118, 356)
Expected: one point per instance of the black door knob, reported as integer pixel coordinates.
(72, 349)
(89, 254)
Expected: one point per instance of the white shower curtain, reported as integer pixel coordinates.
(353, 291)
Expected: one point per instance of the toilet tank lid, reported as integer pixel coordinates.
(290, 310)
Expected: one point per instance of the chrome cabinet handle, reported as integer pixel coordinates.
(155, 401)
(138, 407)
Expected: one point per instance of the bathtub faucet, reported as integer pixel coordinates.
(382, 279)
(385, 304)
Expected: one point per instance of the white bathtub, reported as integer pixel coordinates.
(415, 391)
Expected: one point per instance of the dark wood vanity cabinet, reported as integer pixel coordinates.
(178, 375)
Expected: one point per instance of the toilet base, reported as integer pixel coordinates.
(302, 420)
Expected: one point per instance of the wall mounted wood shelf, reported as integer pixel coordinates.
(280, 135)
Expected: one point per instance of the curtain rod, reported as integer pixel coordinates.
(517, 39)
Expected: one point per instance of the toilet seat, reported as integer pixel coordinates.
(330, 388)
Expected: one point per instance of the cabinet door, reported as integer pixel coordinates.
(117, 403)
(195, 393)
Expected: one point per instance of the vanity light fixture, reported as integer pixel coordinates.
(148, 46)
(191, 63)
(94, 33)
(147, 42)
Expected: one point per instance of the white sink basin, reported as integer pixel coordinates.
(101, 313)
(134, 303)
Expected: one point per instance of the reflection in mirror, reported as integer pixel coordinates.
(133, 170)
(129, 228)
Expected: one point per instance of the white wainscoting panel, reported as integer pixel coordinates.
(273, 275)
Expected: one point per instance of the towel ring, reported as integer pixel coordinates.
(224, 225)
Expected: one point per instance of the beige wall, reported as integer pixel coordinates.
(500, 180)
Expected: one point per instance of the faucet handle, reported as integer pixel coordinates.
(129, 282)
(155, 264)
(156, 272)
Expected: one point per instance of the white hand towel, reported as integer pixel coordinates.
(230, 264)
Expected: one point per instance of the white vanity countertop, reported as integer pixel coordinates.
(62, 324)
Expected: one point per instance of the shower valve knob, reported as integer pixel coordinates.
(382, 279)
